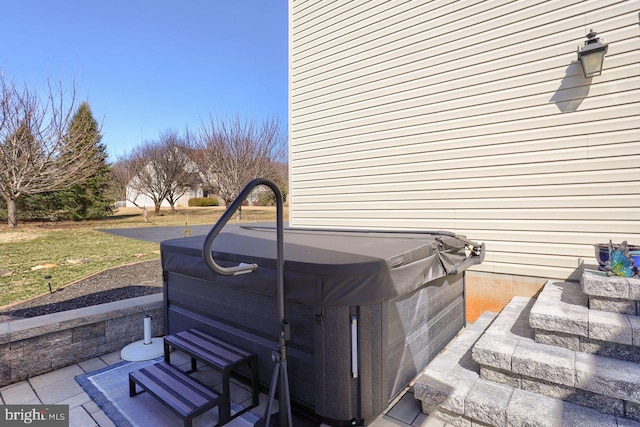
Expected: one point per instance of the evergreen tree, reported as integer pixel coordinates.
(87, 199)
(90, 197)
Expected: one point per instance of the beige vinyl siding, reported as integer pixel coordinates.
(468, 116)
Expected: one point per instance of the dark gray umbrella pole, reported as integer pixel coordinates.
(279, 356)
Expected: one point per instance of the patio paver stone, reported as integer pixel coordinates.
(406, 409)
(53, 377)
(19, 393)
(59, 391)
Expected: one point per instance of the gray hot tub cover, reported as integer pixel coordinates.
(324, 268)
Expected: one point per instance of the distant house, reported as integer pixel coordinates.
(195, 185)
(473, 117)
(197, 190)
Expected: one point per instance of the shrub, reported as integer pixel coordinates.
(203, 201)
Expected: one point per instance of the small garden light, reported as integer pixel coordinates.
(48, 279)
(591, 55)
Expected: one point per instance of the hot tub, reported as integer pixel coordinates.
(367, 311)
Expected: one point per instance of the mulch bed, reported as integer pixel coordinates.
(115, 284)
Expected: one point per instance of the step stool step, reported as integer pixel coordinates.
(208, 349)
(181, 393)
(220, 355)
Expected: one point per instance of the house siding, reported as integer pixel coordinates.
(472, 117)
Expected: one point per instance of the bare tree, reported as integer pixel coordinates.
(181, 171)
(161, 170)
(37, 152)
(146, 179)
(120, 175)
(234, 152)
(281, 179)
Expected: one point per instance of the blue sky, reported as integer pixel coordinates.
(147, 66)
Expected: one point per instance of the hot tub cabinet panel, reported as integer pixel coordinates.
(345, 361)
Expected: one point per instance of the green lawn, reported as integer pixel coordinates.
(77, 250)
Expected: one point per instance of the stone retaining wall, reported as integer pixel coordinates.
(37, 345)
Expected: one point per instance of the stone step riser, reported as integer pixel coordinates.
(626, 352)
(613, 305)
(612, 294)
(604, 404)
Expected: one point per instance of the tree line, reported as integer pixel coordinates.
(53, 164)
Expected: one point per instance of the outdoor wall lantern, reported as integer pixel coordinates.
(591, 55)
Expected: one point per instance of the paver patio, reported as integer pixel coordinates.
(60, 387)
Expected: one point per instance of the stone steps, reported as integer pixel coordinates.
(507, 353)
(561, 317)
(558, 359)
(451, 389)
